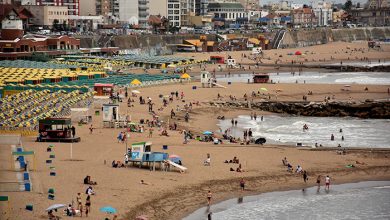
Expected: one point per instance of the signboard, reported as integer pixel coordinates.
(137, 151)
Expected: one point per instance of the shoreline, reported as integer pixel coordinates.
(228, 189)
(238, 201)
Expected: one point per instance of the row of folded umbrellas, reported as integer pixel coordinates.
(40, 103)
(56, 105)
(34, 64)
(9, 75)
(12, 106)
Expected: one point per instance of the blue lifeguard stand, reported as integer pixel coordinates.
(141, 153)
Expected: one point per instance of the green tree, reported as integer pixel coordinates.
(56, 24)
(64, 26)
(347, 5)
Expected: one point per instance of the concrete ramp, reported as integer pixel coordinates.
(219, 85)
(181, 168)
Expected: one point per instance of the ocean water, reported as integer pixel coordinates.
(364, 200)
(289, 130)
(375, 78)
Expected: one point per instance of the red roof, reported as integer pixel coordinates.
(22, 13)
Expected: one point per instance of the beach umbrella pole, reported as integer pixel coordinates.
(71, 151)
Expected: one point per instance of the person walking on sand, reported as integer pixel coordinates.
(73, 129)
(305, 176)
(318, 183)
(90, 129)
(242, 184)
(87, 205)
(79, 202)
(150, 132)
(327, 182)
(209, 195)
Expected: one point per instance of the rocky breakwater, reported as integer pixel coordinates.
(368, 109)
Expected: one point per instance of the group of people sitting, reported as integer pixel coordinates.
(117, 164)
(235, 160)
(88, 181)
(290, 167)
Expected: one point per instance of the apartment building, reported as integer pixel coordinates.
(179, 12)
(73, 5)
(44, 15)
(102, 7)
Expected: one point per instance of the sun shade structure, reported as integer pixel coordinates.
(135, 82)
(185, 76)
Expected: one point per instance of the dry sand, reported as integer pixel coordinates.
(172, 195)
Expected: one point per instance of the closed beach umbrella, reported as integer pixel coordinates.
(55, 206)
(135, 91)
(108, 209)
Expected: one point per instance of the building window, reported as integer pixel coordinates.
(170, 6)
(170, 11)
(177, 18)
(176, 23)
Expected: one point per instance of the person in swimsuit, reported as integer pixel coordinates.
(209, 198)
(87, 205)
(327, 183)
(242, 184)
(318, 183)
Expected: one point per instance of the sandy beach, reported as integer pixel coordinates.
(173, 195)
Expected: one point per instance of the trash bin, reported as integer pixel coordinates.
(26, 176)
(27, 186)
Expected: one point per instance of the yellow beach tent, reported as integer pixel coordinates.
(135, 82)
(185, 76)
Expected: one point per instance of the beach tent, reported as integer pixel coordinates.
(264, 89)
(298, 53)
(135, 82)
(185, 76)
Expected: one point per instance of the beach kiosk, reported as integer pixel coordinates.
(110, 115)
(141, 153)
(103, 89)
(217, 59)
(56, 130)
(260, 78)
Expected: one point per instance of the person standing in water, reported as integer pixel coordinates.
(209, 195)
(242, 184)
(327, 182)
(318, 183)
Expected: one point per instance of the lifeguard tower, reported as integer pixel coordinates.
(208, 81)
(141, 153)
(110, 115)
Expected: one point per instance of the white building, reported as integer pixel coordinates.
(323, 13)
(178, 12)
(134, 12)
(227, 11)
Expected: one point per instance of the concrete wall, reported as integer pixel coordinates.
(322, 36)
